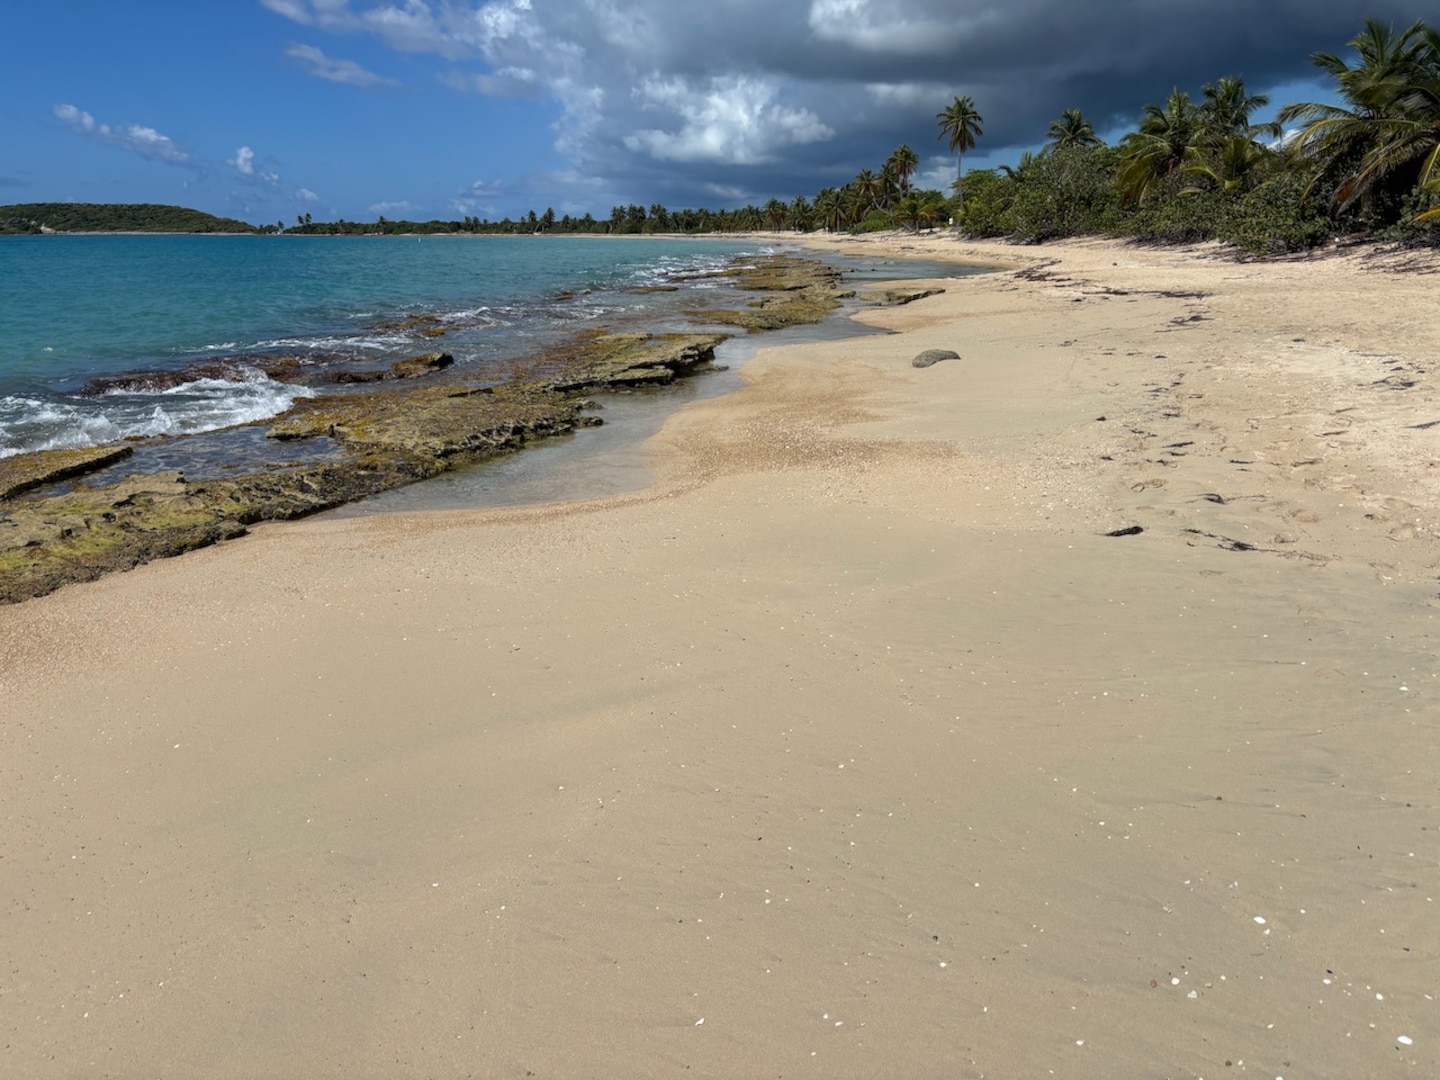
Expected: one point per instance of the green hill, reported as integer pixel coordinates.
(113, 217)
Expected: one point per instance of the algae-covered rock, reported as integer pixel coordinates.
(899, 297)
(25, 472)
(437, 422)
(286, 369)
(801, 291)
(418, 366)
(413, 368)
(616, 361)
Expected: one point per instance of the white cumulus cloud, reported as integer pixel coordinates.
(734, 120)
(335, 69)
(244, 163)
(137, 138)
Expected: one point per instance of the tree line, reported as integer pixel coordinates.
(1195, 168)
(113, 217)
(1200, 168)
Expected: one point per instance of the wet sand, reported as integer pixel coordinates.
(851, 747)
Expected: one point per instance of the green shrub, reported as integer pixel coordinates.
(875, 221)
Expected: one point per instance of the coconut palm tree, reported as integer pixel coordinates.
(801, 214)
(1225, 112)
(903, 163)
(907, 212)
(866, 190)
(961, 125)
(1072, 130)
(1235, 166)
(776, 214)
(1022, 169)
(1386, 137)
(932, 208)
(830, 209)
(1158, 149)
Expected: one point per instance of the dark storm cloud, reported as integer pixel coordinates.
(744, 99)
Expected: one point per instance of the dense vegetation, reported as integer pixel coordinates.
(1200, 169)
(1194, 169)
(113, 217)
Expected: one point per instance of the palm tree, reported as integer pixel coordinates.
(866, 192)
(932, 208)
(1225, 112)
(907, 212)
(960, 123)
(1158, 149)
(1386, 138)
(801, 214)
(1022, 169)
(1072, 131)
(903, 163)
(830, 208)
(1232, 167)
(776, 214)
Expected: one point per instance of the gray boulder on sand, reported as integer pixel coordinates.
(933, 356)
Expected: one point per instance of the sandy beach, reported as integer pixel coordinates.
(854, 746)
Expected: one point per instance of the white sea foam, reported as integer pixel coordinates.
(28, 423)
(376, 341)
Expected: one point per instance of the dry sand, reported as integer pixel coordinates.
(851, 748)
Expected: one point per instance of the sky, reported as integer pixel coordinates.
(267, 109)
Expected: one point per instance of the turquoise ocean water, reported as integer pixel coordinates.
(104, 338)
(213, 308)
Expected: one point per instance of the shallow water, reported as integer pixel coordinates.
(79, 308)
(594, 462)
(74, 308)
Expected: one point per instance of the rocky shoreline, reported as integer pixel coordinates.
(382, 438)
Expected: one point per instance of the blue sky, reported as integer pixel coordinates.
(265, 109)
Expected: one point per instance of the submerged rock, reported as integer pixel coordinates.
(286, 369)
(802, 291)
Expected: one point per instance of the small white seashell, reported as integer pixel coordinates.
(1260, 919)
(1405, 1040)
(700, 1021)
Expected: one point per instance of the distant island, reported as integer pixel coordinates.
(34, 218)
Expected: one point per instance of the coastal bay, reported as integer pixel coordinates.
(1066, 706)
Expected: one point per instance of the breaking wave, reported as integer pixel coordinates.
(31, 423)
